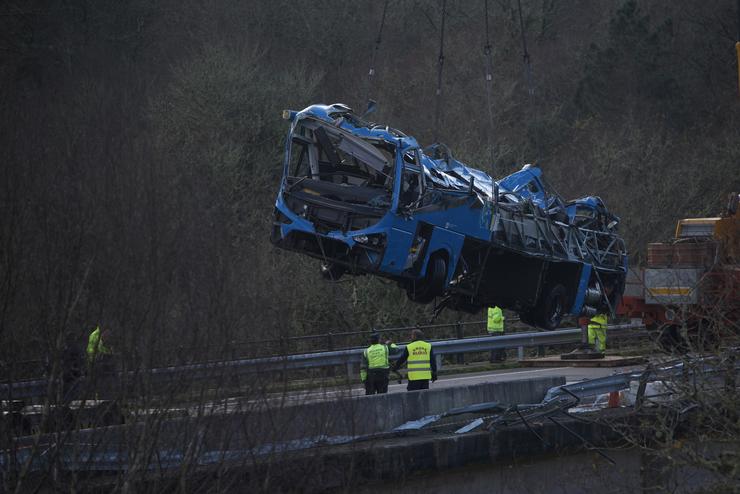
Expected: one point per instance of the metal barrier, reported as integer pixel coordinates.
(349, 358)
(336, 340)
(288, 345)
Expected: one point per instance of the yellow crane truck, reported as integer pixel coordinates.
(690, 289)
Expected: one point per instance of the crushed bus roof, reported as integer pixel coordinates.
(440, 166)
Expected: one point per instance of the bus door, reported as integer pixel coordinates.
(410, 191)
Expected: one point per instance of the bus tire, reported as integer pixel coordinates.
(552, 308)
(433, 284)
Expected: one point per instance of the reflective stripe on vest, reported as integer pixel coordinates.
(495, 320)
(377, 356)
(419, 365)
(598, 322)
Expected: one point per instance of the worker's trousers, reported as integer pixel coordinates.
(376, 381)
(600, 334)
(100, 377)
(499, 354)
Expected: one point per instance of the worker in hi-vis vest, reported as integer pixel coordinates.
(597, 332)
(374, 368)
(99, 360)
(420, 362)
(96, 347)
(495, 327)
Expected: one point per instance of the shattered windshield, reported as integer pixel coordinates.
(325, 153)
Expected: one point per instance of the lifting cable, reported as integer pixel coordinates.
(371, 72)
(489, 84)
(529, 77)
(440, 64)
(737, 46)
(489, 138)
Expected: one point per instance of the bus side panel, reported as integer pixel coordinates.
(399, 241)
(398, 245)
(581, 292)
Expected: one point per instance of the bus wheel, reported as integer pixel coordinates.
(671, 341)
(433, 284)
(552, 308)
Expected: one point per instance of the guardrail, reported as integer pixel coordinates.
(339, 340)
(297, 344)
(349, 358)
(353, 355)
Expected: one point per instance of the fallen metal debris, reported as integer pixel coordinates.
(650, 384)
(417, 424)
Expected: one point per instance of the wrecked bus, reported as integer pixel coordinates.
(365, 198)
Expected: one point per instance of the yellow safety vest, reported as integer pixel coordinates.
(597, 329)
(495, 320)
(377, 356)
(598, 322)
(419, 363)
(95, 345)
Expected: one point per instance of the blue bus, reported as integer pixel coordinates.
(365, 198)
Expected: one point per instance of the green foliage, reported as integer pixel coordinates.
(223, 102)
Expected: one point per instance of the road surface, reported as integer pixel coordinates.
(571, 374)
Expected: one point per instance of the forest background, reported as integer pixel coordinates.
(141, 145)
